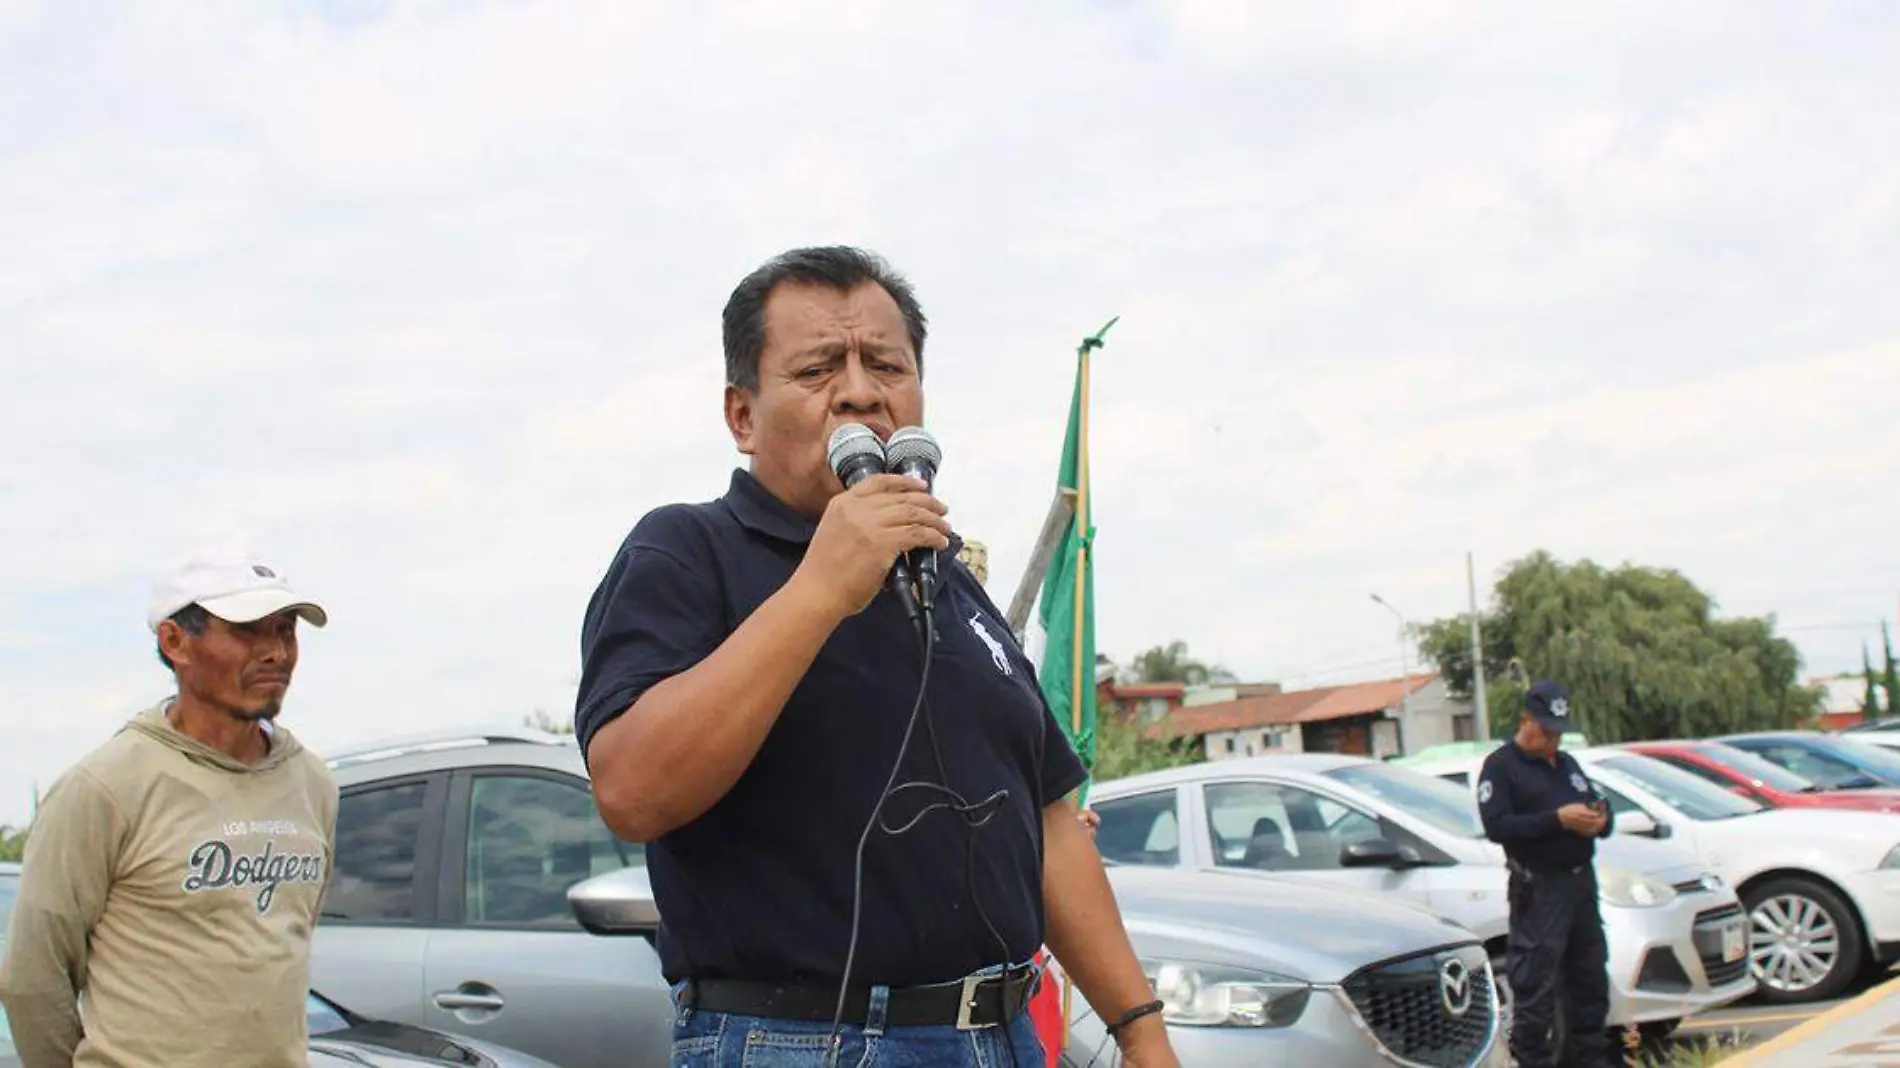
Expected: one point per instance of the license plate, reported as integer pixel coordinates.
(1734, 943)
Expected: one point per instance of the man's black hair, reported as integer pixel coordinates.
(840, 267)
(194, 619)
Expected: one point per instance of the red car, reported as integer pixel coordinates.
(1752, 777)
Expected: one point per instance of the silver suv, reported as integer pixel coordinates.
(448, 903)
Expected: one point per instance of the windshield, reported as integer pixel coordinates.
(1446, 807)
(1750, 766)
(1693, 797)
(1834, 762)
(1876, 760)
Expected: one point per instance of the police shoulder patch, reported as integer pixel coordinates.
(1484, 791)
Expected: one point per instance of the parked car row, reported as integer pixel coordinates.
(481, 910)
(1799, 823)
(1675, 931)
(477, 892)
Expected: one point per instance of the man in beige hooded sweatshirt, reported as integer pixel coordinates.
(174, 874)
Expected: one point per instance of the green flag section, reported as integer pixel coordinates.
(1064, 624)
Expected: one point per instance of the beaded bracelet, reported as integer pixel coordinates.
(1136, 1013)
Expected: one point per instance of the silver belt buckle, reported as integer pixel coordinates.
(968, 1003)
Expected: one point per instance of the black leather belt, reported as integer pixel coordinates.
(968, 1004)
(1549, 871)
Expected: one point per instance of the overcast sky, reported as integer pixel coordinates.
(424, 299)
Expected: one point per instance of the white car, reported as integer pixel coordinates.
(1821, 886)
(1676, 934)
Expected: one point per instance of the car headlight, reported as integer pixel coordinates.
(1892, 859)
(1212, 995)
(1632, 889)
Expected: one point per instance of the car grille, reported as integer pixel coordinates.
(1404, 1004)
(1708, 944)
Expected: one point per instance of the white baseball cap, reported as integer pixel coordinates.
(230, 582)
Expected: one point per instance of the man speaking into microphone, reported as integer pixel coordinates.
(751, 672)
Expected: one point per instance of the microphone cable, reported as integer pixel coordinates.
(969, 851)
(927, 635)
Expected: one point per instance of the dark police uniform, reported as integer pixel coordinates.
(1557, 949)
(759, 887)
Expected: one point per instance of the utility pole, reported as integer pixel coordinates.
(1477, 653)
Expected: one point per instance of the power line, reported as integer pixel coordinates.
(1385, 661)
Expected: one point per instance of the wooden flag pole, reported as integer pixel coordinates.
(1084, 673)
(1076, 695)
(1054, 525)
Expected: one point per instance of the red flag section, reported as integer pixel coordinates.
(1046, 1010)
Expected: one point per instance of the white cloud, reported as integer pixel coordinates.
(426, 296)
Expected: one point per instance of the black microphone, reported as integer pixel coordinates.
(855, 455)
(914, 453)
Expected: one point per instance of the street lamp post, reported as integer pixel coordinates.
(1405, 669)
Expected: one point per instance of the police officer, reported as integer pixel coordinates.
(1537, 803)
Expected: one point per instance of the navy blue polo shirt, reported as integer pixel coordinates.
(760, 885)
(1518, 798)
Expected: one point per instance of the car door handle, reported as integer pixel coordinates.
(461, 999)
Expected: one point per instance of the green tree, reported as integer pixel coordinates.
(541, 721)
(12, 843)
(1893, 672)
(1641, 649)
(1123, 748)
(1171, 663)
(1870, 701)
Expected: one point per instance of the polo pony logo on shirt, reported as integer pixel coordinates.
(215, 865)
(997, 656)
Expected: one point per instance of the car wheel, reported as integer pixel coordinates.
(1804, 941)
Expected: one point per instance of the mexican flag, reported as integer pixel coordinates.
(1061, 633)
(1060, 640)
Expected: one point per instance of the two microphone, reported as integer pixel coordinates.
(856, 454)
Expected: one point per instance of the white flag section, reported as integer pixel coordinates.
(1036, 639)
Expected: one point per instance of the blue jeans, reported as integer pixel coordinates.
(704, 1039)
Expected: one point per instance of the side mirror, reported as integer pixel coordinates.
(1642, 823)
(1375, 853)
(616, 903)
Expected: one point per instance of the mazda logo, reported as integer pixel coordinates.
(1454, 986)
